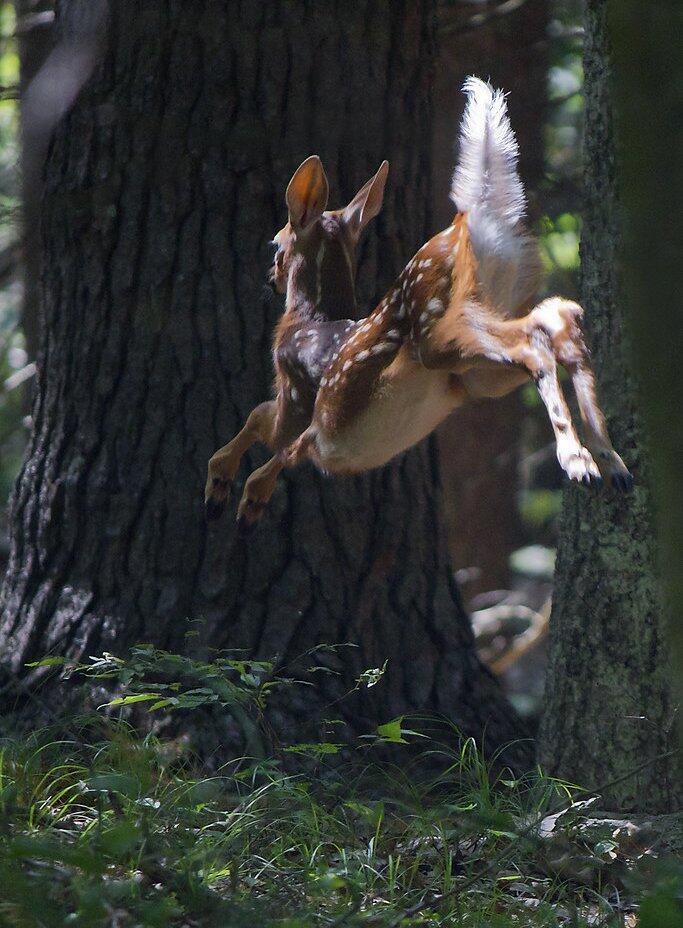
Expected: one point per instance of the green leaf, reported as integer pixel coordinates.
(128, 700)
(123, 783)
(161, 703)
(120, 839)
(605, 847)
(323, 747)
(392, 731)
(49, 662)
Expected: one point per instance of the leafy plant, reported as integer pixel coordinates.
(113, 826)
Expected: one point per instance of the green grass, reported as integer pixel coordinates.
(112, 827)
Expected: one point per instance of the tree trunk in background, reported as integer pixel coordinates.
(649, 103)
(480, 444)
(164, 185)
(609, 704)
(34, 44)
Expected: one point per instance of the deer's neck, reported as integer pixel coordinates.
(321, 286)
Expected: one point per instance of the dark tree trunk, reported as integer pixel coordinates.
(647, 55)
(609, 705)
(164, 185)
(34, 44)
(480, 444)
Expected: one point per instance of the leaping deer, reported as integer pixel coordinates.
(451, 328)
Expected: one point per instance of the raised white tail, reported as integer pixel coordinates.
(487, 187)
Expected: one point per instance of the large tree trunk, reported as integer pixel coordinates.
(164, 185)
(647, 55)
(609, 704)
(480, 443)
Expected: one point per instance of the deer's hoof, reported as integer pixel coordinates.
(248, 517)
(621, 482)
(217, 494)
(592, 480)
(213, 509)
(245, 528)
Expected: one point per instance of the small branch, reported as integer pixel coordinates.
(34, 21)
(21, 376)
(525, 641)
(481, 19)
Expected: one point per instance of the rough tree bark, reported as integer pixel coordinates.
(649, 104)
(164, 184)
(609, 705)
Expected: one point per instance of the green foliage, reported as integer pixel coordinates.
(560, 251)
(540, 508)
(104, 825)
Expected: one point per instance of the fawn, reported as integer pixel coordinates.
(454, 326)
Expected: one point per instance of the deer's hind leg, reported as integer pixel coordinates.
(260, 485)
(493, 356)
(223, 465)
(562, 319)
(257, 492)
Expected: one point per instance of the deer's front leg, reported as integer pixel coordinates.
(260, 426)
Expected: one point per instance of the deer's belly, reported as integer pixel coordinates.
(404, 409)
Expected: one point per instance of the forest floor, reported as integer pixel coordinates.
(103, 825)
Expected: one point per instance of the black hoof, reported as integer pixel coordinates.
(622, 483)
(214, 509)
(249, 518)
(245, 528)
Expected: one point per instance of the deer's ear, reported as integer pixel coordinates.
(307, 193)
(367, 202)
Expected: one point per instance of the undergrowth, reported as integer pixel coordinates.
(108, 826)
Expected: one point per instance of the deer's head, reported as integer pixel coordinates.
(316, 249)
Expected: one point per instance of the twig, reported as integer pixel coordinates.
(526, 640)
(21, 376)
(34, 21)
(481, 19)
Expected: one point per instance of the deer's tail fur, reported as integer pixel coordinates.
(487, 188)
